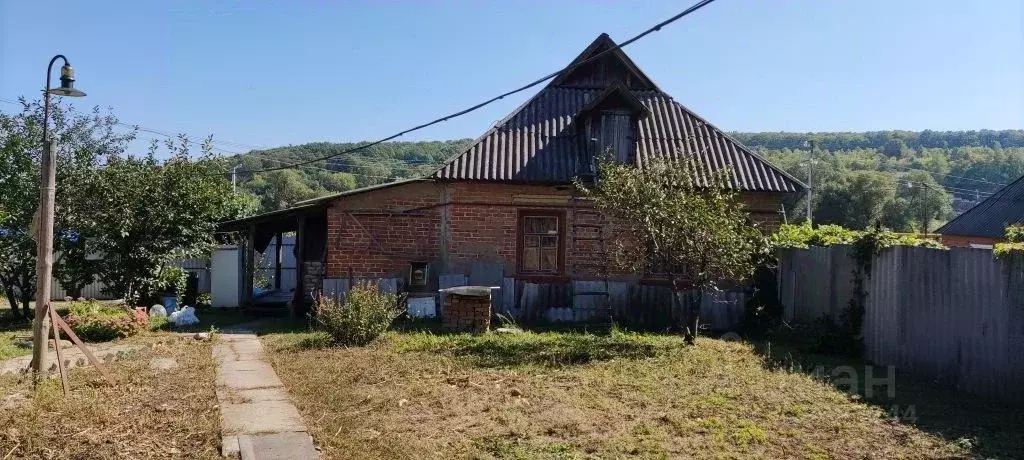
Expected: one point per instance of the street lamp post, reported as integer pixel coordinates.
(44, 216)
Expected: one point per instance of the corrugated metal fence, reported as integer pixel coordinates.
(815, 282)
(954, 315)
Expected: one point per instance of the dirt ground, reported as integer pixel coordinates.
(145, 413)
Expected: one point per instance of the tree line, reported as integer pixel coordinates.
(905, 180)
(377, 164)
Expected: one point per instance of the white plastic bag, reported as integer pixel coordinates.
(157, 311)
(184, 317)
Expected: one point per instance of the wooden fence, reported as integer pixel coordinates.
(953, 315)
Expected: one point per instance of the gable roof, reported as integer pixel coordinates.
(537, 142)
(990, 218)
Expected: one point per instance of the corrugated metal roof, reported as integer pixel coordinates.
(990, 217)
(536, 142)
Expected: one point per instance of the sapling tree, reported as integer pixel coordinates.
(148, 212)
(681, 222)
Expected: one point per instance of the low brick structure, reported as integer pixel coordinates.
(467, 309)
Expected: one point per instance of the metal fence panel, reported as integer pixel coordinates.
(954, 315)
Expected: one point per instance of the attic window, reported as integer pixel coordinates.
(616, 135)
(608, 122)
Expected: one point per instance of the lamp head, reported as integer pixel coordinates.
(67, 83)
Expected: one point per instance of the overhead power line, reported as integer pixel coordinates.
(951, 175)
(501, 96)
(215, 142)
(655, 28)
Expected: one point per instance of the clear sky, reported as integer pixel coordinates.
(275, 73)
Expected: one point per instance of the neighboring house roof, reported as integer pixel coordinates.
(537, 143)
(990, 217)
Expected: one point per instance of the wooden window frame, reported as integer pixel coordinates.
(521, 216)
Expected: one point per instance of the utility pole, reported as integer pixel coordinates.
(233, 182)
(44, 218)
(810, 178)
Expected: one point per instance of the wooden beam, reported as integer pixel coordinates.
(249, 265)
(299, 300)
(277, 261)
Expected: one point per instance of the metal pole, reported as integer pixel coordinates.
(44, 237)
(810, 182)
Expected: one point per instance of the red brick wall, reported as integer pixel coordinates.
(966, 241)
(481, 219)
(367, 236)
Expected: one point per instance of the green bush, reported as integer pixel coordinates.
(803, 235)
(158, 323)
(1014, 242)
(97, 322)
(366, 314)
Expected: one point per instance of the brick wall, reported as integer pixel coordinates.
(967, 241)
(466, 313)
(370, 235)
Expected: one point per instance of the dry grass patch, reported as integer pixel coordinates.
(146, 414)
(570, 395)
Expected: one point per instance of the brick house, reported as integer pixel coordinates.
(985, 224)
(504, 212)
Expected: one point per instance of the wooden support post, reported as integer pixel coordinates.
(60, 355)
(44, 260)
(249, 265)
(300, 270)
(277, 261)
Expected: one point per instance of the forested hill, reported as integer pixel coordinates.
(907, 180)
(385, 162)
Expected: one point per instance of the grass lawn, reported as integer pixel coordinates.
(572, 395)
(12, 328)
(146, 414)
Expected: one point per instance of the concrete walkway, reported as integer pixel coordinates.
(257, 419)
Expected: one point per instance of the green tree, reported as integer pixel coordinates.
(855, 201)
(149, 212)
(280, 189)
(699, 237)
(83, 140)
(926, 199)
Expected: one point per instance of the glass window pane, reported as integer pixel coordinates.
(544, 225)
(531, 259)
(531, 225)
(549, 260)
(532, 241)
(549, 225)
(549, 241)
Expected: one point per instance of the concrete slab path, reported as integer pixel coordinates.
(257, 419)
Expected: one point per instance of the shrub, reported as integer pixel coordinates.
(1014, 242)
(158, 323)
(803, 235)
(96, 322)
(366, 314)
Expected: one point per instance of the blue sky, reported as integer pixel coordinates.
(275, 73)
